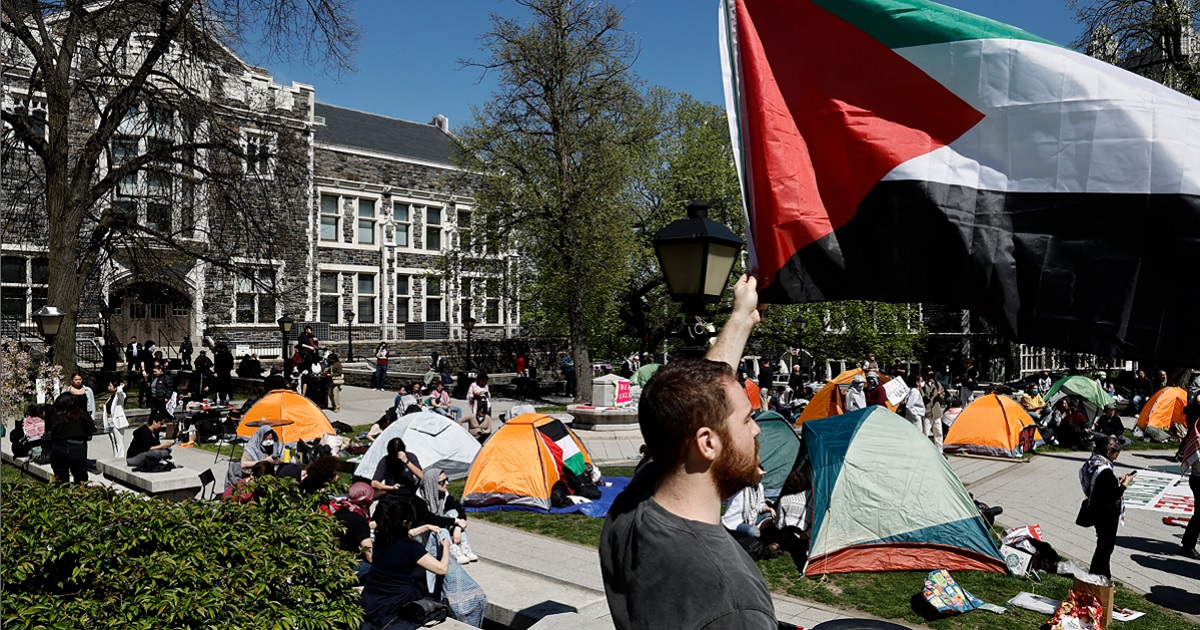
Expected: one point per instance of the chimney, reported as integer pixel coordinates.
(441, 122)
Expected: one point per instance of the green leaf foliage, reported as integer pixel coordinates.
(90, 557)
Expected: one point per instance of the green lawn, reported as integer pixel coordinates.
(887, 595)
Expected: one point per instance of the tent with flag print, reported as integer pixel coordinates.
(520, 463)
(829, 401)
(1061, 194)
(884, 499)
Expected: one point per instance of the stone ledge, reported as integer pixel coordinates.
(519, 599)
(41, 471)
(174, 485)
(572, 621)
(604, 418)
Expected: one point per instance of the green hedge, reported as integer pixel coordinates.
(89, 557)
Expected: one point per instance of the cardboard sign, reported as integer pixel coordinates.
(896, 390)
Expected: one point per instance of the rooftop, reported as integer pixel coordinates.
(380, 134)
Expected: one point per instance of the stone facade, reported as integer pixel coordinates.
(385, 266)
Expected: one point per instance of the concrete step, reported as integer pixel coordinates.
(518, 598)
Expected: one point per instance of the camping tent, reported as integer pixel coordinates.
(828, 401)
(884, 499)
(521, 462)
(1164, 408)
(283, 405)
(993, 425)
(435, 439)
(643, 374)
(778, 446)
(1086, 389)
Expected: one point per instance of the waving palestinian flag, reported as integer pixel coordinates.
(904, 151)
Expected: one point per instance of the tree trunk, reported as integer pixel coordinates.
(579, 345)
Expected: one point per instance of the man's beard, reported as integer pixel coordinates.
(735, 470)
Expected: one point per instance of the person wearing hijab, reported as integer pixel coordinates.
(400, 472)
(263, 446)
(435, 489)
(855, 398)
(1105, 500)
(354, 513)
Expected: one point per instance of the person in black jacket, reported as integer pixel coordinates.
(70, 429)
(223, 362)
(1105, 500)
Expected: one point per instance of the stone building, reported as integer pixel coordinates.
(251, 201)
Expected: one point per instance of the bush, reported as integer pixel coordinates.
(90, 557)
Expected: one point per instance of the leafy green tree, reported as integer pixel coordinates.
(90, 557)
(1157, 39)
(554, 149)
(840, 330)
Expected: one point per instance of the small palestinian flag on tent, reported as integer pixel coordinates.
(1059, 195)
(560, 443)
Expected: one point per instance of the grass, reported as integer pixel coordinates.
(888, 595)
(549, 409)
(12, 474)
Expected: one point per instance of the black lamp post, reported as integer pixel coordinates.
(106, 312)
(285, 328)
(469, 325)
(48, 320)
(696, 256)
(349, 334)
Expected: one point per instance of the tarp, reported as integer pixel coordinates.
(867, 130)
(1164, 408)
(284, 405)
(595, 509)
(519, 464)
(993, 425)
(436, 440)
(884, 499)
(778, 445)
(828, 401)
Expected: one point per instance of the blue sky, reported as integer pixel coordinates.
(409, 51)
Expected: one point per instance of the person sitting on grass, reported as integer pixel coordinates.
(391, 583)
(29, 433)
(1108, 424)
(399, 473)
(240, 492)
(354, 513)
(751, 521)
(439, 402)
(382, 423)
(263, 446)
(145, 449)
(793, 517)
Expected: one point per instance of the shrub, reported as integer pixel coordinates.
(90, 557)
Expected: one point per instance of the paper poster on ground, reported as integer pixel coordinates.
(1160, 492)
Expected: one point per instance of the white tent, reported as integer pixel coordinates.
(435, 439)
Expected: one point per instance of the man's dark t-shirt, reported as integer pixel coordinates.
(143, 440)
(664, 571)
(357, 529)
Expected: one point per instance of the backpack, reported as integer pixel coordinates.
(560, 495)
(152, 467)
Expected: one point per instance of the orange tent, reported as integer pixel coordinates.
(753, 394)
(993, 425)
(519, 464)
(282, 405)
(828, 401)
(1164, 408)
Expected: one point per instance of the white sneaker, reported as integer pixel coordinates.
(459, 556)
(465, 547)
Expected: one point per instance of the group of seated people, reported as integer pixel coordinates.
(415, 397)
(401, 524)
(1066, 422)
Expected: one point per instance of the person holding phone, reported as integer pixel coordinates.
(1105, 500)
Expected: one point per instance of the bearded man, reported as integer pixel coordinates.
(667, 561)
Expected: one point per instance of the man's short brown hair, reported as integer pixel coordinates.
(680, 399)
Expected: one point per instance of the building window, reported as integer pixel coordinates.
(366, 222)
(403, 299)
(366, 298)
(254, 302)
(402, 221)
(433, 299)
(158, 311)
(158, 217)
(464, 230)
(260, 151)
(433, 229)
(179, 310)
(23, 286)
(492, 301)
(125, 148)
(331, 218)
(331, 300)
(465, 287)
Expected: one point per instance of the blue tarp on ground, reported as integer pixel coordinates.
(595, 509)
